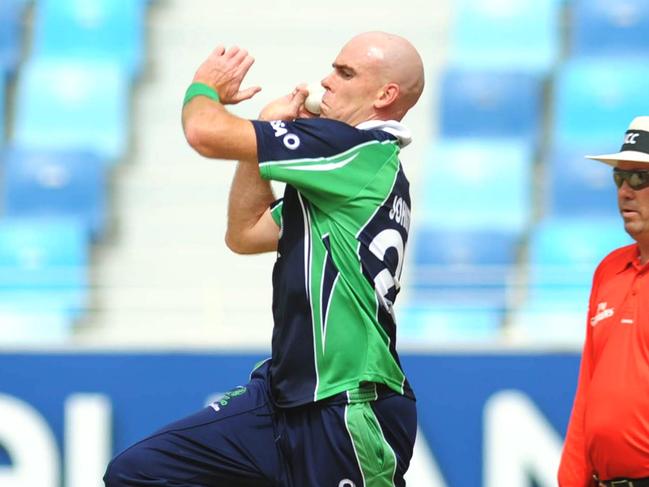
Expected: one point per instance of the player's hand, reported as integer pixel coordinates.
(224, 70)
(288, 107)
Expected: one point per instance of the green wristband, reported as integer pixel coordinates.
(200, 89)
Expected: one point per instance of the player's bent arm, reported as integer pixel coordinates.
(251, 228)
(214, 132)
(261, 237)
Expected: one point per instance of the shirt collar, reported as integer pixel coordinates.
(632, 260)
(400, 131)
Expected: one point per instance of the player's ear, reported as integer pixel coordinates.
(387, 95)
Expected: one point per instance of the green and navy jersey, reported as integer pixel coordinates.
(344, 221)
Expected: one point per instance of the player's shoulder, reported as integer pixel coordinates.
(335, 129)
(316, 137)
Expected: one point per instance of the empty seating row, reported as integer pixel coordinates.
(528, 34)
(511, 247)
(73, 105)
(91, 30)
(67, 184)
(470, 279)
(612, 29)
(478, 183)
(592, 99)
(43, 278)
(501, 34)
(564, 253)
(70, 125)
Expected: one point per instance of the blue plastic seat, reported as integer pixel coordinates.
(490, 103)
(564, 253)
(479, 184)
(43, 265)
(579, 187)
(67, 184)
(434, 324)
(110, 30)
(459, 268)
(11, 40)
(596, 99)
(610, 28)
(575, 241)
(80, 106)
(506, 34)
(464, 247)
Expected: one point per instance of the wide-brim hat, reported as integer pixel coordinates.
(635, 147)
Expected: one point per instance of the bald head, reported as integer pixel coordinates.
(393, 60)
(376, 76)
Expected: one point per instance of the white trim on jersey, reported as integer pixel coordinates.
(330, 166)
(307, 285)
(321, 159)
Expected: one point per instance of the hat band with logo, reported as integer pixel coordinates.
(636, 140)
(635, 147)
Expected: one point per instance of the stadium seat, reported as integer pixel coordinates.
(605, 28)
(109, 30)
(458, 286)
(80, 106)
(573, 247)
(479, 184)
(11, 40)
(464, 247)
(456, 268)
(43, 266)
(68, 184)
(490, 103)
(506, 34)
(423, 324)
(577, 186)
(563, 255)
(596, 99)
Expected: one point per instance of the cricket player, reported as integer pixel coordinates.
(332, 406)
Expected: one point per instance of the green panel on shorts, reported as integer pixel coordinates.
(375, 456)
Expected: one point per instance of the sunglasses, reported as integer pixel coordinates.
(636, 179)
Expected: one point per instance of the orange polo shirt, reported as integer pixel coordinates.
(608, 433)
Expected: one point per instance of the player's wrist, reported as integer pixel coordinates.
(198, 88)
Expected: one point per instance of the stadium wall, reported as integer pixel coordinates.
(486, 419)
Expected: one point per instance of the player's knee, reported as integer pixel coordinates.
(124, 469)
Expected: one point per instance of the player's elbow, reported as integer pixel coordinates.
(237, 243)
(246, 243)
(200, 139)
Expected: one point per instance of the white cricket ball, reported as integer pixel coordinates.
(312, 102)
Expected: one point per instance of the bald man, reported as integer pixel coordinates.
(332, 406)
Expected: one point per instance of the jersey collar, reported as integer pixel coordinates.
(400, 131)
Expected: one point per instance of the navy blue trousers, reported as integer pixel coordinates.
(242, 440)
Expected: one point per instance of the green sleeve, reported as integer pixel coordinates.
(329, 182)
